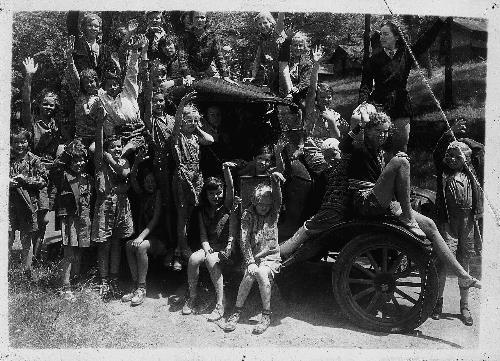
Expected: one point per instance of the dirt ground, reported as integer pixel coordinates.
(305, 314)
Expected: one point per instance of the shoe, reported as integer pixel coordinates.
(470, 282)
(216, 314)
(105, 292)
(127, 297)
(465, 316)
(412, 226)
(116, 292)
(188, 307)
(438, 309)
(232, 321)
(263, 324)
(138, 298)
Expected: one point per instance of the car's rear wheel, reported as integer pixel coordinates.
(385, 283)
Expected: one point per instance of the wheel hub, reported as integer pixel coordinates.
(384, 283)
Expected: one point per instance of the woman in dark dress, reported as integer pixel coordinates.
(385, 76)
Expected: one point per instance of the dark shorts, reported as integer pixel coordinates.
(323, 220)
(367, 205)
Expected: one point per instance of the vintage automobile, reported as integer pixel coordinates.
(383, 277)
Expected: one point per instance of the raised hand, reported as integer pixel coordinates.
(280, 145)
(70, 45)
(142, 155)
(460, 127)
(290, 31)
(317, 54)
(29, 66)
(97, 111)
(277, 177)
(331, 116)
(229, 165)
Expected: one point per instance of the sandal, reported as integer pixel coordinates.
(470, 282)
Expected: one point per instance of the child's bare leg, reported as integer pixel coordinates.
(115, 255)
(264, 277)
(103, 258)
(444, 253)
(142, 261)
(43, 220)
(244, 289)
(212, 262)
(395, 179)
(193, 271)
(464, 292)
(132, 259)
(66, 265)
(27, 251)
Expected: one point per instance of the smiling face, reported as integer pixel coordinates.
(169, 49)
(112, 87)
(264, 25)
(454, 159)
(48, 106)
(18, 147)
(199, 20)
(89, 85)
(190, 121)
(214, 116)
(154, 20)
(299, 45)
(115, 149)
(76, 165)
(158, 104)
(324, 98)
(376, 136)
(215, 196)
(91, 28)
(262, 163)
(387, 37)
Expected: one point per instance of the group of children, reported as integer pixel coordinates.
(126, 161)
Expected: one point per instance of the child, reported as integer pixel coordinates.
(271, 36)
(154, 33)
(216, 241)
(27, 177)
(199, 48)
(72, 186)
(83, 87)
(47, 138)
(187, 180)
(461, 201)
(259, 245)
(261, 163)
(169, 58)
(112, 217)
(123, 116)
(87, 53)
(294, 66)
(151, 237)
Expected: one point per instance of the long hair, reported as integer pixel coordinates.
(394, 30)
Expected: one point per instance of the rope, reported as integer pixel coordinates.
(438, 104)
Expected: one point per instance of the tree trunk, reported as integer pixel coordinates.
(448, 67)
(366, 39)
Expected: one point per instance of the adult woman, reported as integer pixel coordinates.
(385, 76)
(199, 48)
(375, 185)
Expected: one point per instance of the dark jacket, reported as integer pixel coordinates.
(71, 198)
(384, 79)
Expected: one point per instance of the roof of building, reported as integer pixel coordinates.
(473, 24)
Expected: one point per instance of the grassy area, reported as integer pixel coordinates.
(40, 318)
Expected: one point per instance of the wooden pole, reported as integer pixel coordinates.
(448, 100)
(366, 39)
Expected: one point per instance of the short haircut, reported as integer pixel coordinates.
(75, 150)
(462, 147)
(19, 134)
(378, 118)
(265, 15)
(87, 74)
(111, 139)
(89, 17)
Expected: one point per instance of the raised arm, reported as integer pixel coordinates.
(130, 86)
(228, 179)
(203, 137)
(278, 150)
(30, 68)
(366, 86)
(245, 241)
(97, 111)
(71, 72)
(148, 96)
(317, 54)
(276, 178)
(140, 157)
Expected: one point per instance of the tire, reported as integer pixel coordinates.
(385, 283)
